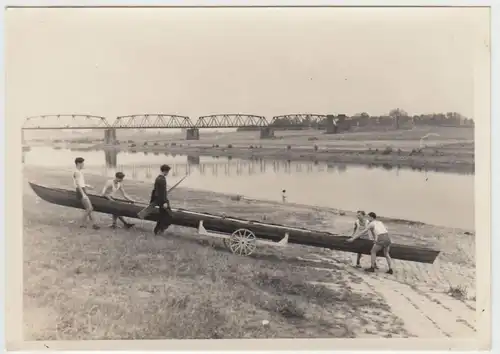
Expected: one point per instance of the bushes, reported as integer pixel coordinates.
(416, 152)
(387, 151)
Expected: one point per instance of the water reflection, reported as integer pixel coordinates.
(226, 164)
(256, 165)
(225, 167)
(219, 166)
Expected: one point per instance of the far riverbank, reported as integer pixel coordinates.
(458, 158)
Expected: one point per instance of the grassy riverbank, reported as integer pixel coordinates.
(86, 284)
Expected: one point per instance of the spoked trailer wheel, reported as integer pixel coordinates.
(242, 242)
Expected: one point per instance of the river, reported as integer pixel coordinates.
(444, 199)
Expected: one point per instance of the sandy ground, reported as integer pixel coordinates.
(128, 284)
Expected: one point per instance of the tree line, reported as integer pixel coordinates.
(397, 118)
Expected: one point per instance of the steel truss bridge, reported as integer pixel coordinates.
(65, 121)
(167, 121)
(172, 121)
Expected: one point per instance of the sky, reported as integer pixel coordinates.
(194, 62)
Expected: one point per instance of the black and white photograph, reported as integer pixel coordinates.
(249, 173)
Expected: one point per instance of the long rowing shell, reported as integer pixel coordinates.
(217, 223)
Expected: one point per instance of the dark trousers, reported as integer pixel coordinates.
(164, 217)
(164, 220)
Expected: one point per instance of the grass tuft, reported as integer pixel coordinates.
(458, 292)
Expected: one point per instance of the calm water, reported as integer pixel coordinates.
(437, 198)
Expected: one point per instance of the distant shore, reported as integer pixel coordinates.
(458, 159)
(448, 149)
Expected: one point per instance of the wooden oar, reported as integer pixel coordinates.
(143, 202)
(175, 185)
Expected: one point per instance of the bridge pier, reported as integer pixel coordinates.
(110, 136)
(266, 133)
(343, 124)
(193, 160)
(192, 134)
(331, 125)
(111, 157)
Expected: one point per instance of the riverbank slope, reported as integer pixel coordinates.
(86, 284)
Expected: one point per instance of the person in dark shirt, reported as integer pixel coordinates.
(159, 199)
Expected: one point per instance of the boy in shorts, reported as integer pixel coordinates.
(360, 224)
(382, 241)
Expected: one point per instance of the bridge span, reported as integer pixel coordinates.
(173, 121)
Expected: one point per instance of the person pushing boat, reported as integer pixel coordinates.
(159, 199)
(81, 193)
(110, 190)
(360, 224)
(382, 241)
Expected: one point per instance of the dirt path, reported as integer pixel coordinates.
(426, 312)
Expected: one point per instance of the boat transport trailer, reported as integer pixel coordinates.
(240, 236)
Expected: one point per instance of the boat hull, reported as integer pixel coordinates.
(217, 223)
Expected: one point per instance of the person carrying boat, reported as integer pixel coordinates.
(382, 241)
(360, 224)
(159, 199)
(81, 193)
(110, 190)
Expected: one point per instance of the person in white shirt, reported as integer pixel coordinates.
(360, 224)
(283, 195)
(382, 241)
(110, 190)
(81, 193)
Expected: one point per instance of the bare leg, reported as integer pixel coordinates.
(88, 211)
(388, 257)
(375, 249)
(358, 260)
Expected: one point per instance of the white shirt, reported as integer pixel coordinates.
(377, 227)
(78, 179)
(361, 225)
(111, 187)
